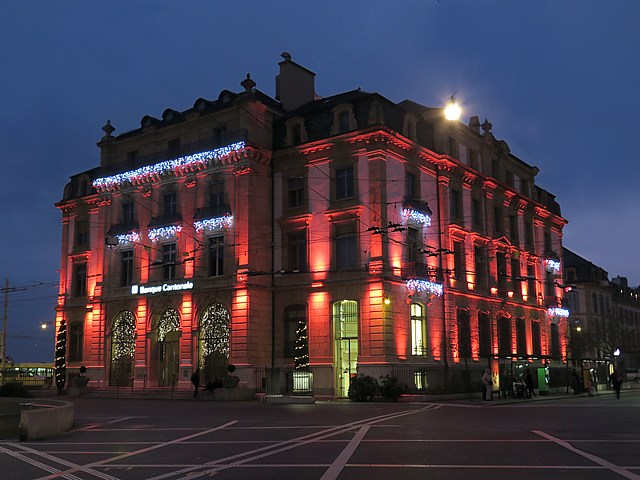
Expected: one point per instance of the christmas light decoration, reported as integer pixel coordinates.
(301, 358)
(416, 216)
(214, 330)
(558, 312)
(216, 223)
(164, 233)
(123, 336)
(147, 172)
(552, 266)
(127, 238)
(60, 363)
(170, 322)
(417, 285)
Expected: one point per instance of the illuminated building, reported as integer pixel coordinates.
(341, 235)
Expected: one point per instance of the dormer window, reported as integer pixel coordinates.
(296, 133)
(173, 148)
(409, 127)
(343, 119)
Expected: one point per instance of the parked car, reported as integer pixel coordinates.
(633, 375)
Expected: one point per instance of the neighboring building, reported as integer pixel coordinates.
(349, 233)
(605, 317)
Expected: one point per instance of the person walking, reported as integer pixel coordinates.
(616, 382)
(487, 384)
(528, 381)
(195, 379)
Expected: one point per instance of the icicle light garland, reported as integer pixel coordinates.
(127, 238)
(124, 336)
(558, 312)
(164, 233)
(144, 173)
(216, 223)
(416, 216)
(416, 285)
(301, 358)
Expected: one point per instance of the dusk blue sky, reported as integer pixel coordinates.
(558, 79)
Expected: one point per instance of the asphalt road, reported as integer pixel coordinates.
(571, 438)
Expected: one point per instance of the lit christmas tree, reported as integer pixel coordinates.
(61, 356)
(301, 358)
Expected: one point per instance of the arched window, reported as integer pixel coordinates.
(464, 334)
(123, 347)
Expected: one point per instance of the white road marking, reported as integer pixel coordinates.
(600, 461)
(342, 459)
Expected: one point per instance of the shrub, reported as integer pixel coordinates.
(391, 388)
(14, 389)
(363, 388)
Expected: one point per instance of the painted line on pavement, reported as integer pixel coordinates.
(341, 460)
(600, 461)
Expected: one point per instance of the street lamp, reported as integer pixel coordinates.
(452, 110)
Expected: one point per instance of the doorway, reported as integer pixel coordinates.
(345, 324)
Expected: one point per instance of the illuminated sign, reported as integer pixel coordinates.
(165, 287)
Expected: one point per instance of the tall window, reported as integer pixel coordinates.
(126, 268)
(521, 336)
(555, 341)
(82, 233)
(476, 213)
(170, 203)
(344, 183)
(504, 336)
(531, 282)
(535, 339)
(528, 235)
(480, 258)
(413, 245)
(293, 315)
(343, 122)
(501, 261)
(80, 279)
(216, 256)
(455, 200)
(464, 334)
(484, 334)
(75, 341)
(513, 229)
(216, 196)
(548, 247)
(169, 258)
(411, 185)
(498, 220)
(295, 192)
(516, 276)
(418, 330)
(459, 263)
(297, 249)
(346, 246)
(128, 213)
(173, 148)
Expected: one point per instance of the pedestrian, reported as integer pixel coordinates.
(195, 379)
(487, 384)
(528, 381)
(616, 382)
(575, 382)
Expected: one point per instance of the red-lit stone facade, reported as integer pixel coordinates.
(404, 243)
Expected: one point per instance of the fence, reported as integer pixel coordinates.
(283, 381)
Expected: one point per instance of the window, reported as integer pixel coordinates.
(555, 341)
(498, 220)
(296, 134)
(501, 261)
(75, 341)
(413, 245)
(411, 185)
(504, 336)
(170, 203)
(293, 316)
(476, 213)
(459, 263)
(126, 268)
(474, 160)
(169, 257)
(516, 276)
(343, 122)
(484, 334)
(295, 192)
(455, 205)
(464, 334)
(82, 233)
(216, 256)
(418, 330)
(80, 279)
(531, 282)
(217, 204)
(513, 229)
(521, 336)
(346, 246)
(297, 249)
(547, 242)
(510, 179)
(344, 183)
(528, 235)
(128, 213)
(173, 148)
(452, 147)
(535, 339)
(480, 255)
(132, 158)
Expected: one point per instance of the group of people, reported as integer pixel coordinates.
(524, 388)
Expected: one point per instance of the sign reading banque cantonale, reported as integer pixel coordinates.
(165, 287)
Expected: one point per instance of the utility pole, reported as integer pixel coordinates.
(4, 330)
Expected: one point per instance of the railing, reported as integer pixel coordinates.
(283, 381)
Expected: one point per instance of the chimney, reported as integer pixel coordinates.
(295, 85)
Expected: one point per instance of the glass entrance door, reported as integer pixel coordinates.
(345, 321)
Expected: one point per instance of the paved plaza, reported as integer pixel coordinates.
(554, 438)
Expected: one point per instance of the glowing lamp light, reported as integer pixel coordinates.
(494, 290)
(616, 352)
(387, 301)
(452, 110)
